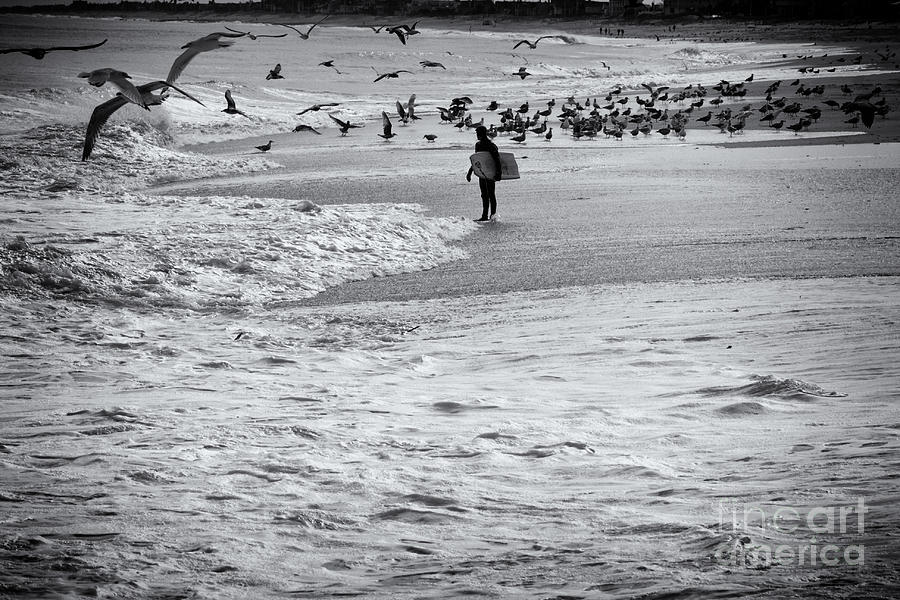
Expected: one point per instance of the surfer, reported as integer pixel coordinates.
(487, 186)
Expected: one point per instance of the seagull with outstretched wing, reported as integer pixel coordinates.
(386, 126)
(40, 53)
(305, 35)
(98, 77)
(104, 111)
(192, 49)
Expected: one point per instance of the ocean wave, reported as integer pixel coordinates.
(216, 252)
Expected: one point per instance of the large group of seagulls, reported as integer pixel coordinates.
(614, 114)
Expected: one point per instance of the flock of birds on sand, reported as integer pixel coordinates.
(614, 115)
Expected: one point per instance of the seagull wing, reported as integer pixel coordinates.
(99, 118)
(181, 62)
(88, 47)
(380, 77)
(520, 43)
(229, 100)
(290, 27)
(313, 26)
(129, 91)
(339, 122)
(400, 111)
(386, 123)
(271, 35)
(156, 85)
(400, 35)
(236, 31)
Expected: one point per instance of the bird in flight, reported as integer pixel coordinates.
(533, 44)
(391, 75)
(231, 109)
(317, 107)
(103, 112)
(254, 36)
(386, 125)
(265, 147)
(40, 53)
(305, 127)
(98, 77)
(522, 72)
(305, 35)
(430, 63)
(275, 73)
(344, 126)
(330, 65)
(192, 49)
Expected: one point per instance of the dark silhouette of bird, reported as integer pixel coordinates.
(492, 105)
(305, 35)
(305, 127)
(265, 147)
(386, 126)
(391, 75)
(533, 44)
(549, 135)
(231, 109)
(706, 119)
(749, 79)
(664, 131)
(192, 49)
(777, 126)
(430, 63)
(344, 126)
(330, 65)
(98, 77)
(522, 72)
(254, 36)
(400, 32)
(519, 138)
(40, 53)
(317, 107)
(430, 137)
(866, 112)
(275, 73)
(104, 111)
(798, 126)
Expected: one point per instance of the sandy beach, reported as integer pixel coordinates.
(667, 370)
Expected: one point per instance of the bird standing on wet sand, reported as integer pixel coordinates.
(265, 147)
(231, 109)
(103, 112)
(533, 44)
(522, 72)
(305, 35)
(430, 137)
(344, 126)
(98, 77)
(40, 53)
(275, 73)
(386, 125)
(192, 49)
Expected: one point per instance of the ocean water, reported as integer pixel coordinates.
(182, 420)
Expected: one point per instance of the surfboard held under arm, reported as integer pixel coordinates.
(483, 165)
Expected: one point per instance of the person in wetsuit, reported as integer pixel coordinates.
(487, 186)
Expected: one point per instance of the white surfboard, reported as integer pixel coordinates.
(483, 165)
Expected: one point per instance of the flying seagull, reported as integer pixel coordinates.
(533, 44)
(98, 77)
(330, 64)
(317, 107)
(386, 123)
(254, 36)
(344, 126)
(231, 109)
(303, 35)
(275, 73)
(40, 53)
(104, 111)
(430, 63)
(391, 75)
(192, 49)
(305, 127)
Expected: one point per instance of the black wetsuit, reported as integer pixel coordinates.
(488, 196)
